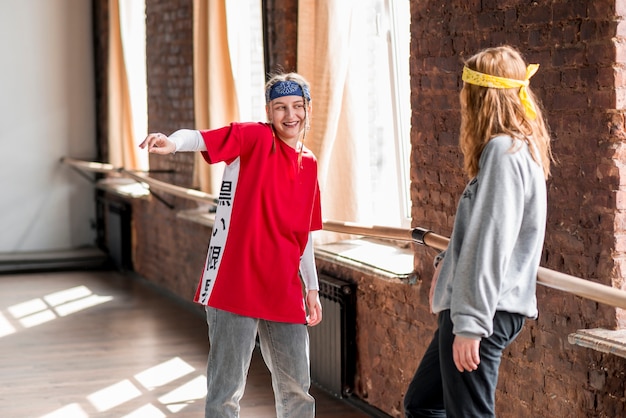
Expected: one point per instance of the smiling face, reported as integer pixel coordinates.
(288, 115)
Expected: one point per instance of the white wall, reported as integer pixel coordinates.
(47, 108)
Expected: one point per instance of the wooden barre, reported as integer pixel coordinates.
(553, 279)
(89, 166)
(192, 194)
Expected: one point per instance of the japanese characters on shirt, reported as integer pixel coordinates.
(220, 230)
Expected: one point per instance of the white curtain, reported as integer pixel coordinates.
(127, 91)
(327, 32)
(215, 96)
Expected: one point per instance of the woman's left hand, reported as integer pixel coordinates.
(314, 307)
(465, 352)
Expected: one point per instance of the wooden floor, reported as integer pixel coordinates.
(101, 344)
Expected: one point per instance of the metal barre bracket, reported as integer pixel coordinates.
(418, 234)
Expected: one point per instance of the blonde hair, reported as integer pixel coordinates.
(488, 112)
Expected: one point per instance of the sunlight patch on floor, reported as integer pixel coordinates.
(107, 399)
(27, 308)
(146, 411)
(38, 319)
(180, 397)
(164, 373)
(5, 326)
(68, 295)
(79, 305)
(49, 307)
(73, 410)
(65, 302)
(114, 395)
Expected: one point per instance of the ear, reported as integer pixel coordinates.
(267, 112)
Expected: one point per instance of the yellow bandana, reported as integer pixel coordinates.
(486, 80)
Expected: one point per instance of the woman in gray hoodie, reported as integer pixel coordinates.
(484, 283)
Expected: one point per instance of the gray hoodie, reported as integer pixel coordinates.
(494, 252)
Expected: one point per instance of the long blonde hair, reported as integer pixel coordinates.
(488, 112)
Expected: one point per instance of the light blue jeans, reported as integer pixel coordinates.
(285, 349)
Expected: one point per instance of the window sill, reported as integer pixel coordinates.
(123, 187)
(201, 215)
(370, 256)
(603, 340)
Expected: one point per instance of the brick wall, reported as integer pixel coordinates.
(541, 374)
(581, 83)
(281, 35)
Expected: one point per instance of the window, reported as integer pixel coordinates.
(133, 33)
(386, 49)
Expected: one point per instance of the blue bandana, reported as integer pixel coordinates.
(287, 88)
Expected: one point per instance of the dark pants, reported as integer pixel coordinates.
(438, 389)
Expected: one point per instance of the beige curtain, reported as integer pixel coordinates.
(122, 149)
(215, 97)
(325, 33)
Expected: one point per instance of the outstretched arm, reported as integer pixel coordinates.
(181, 140)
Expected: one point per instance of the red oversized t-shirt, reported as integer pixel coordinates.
(252, 263)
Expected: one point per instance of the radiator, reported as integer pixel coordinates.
(332, 342)
(117, 230)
